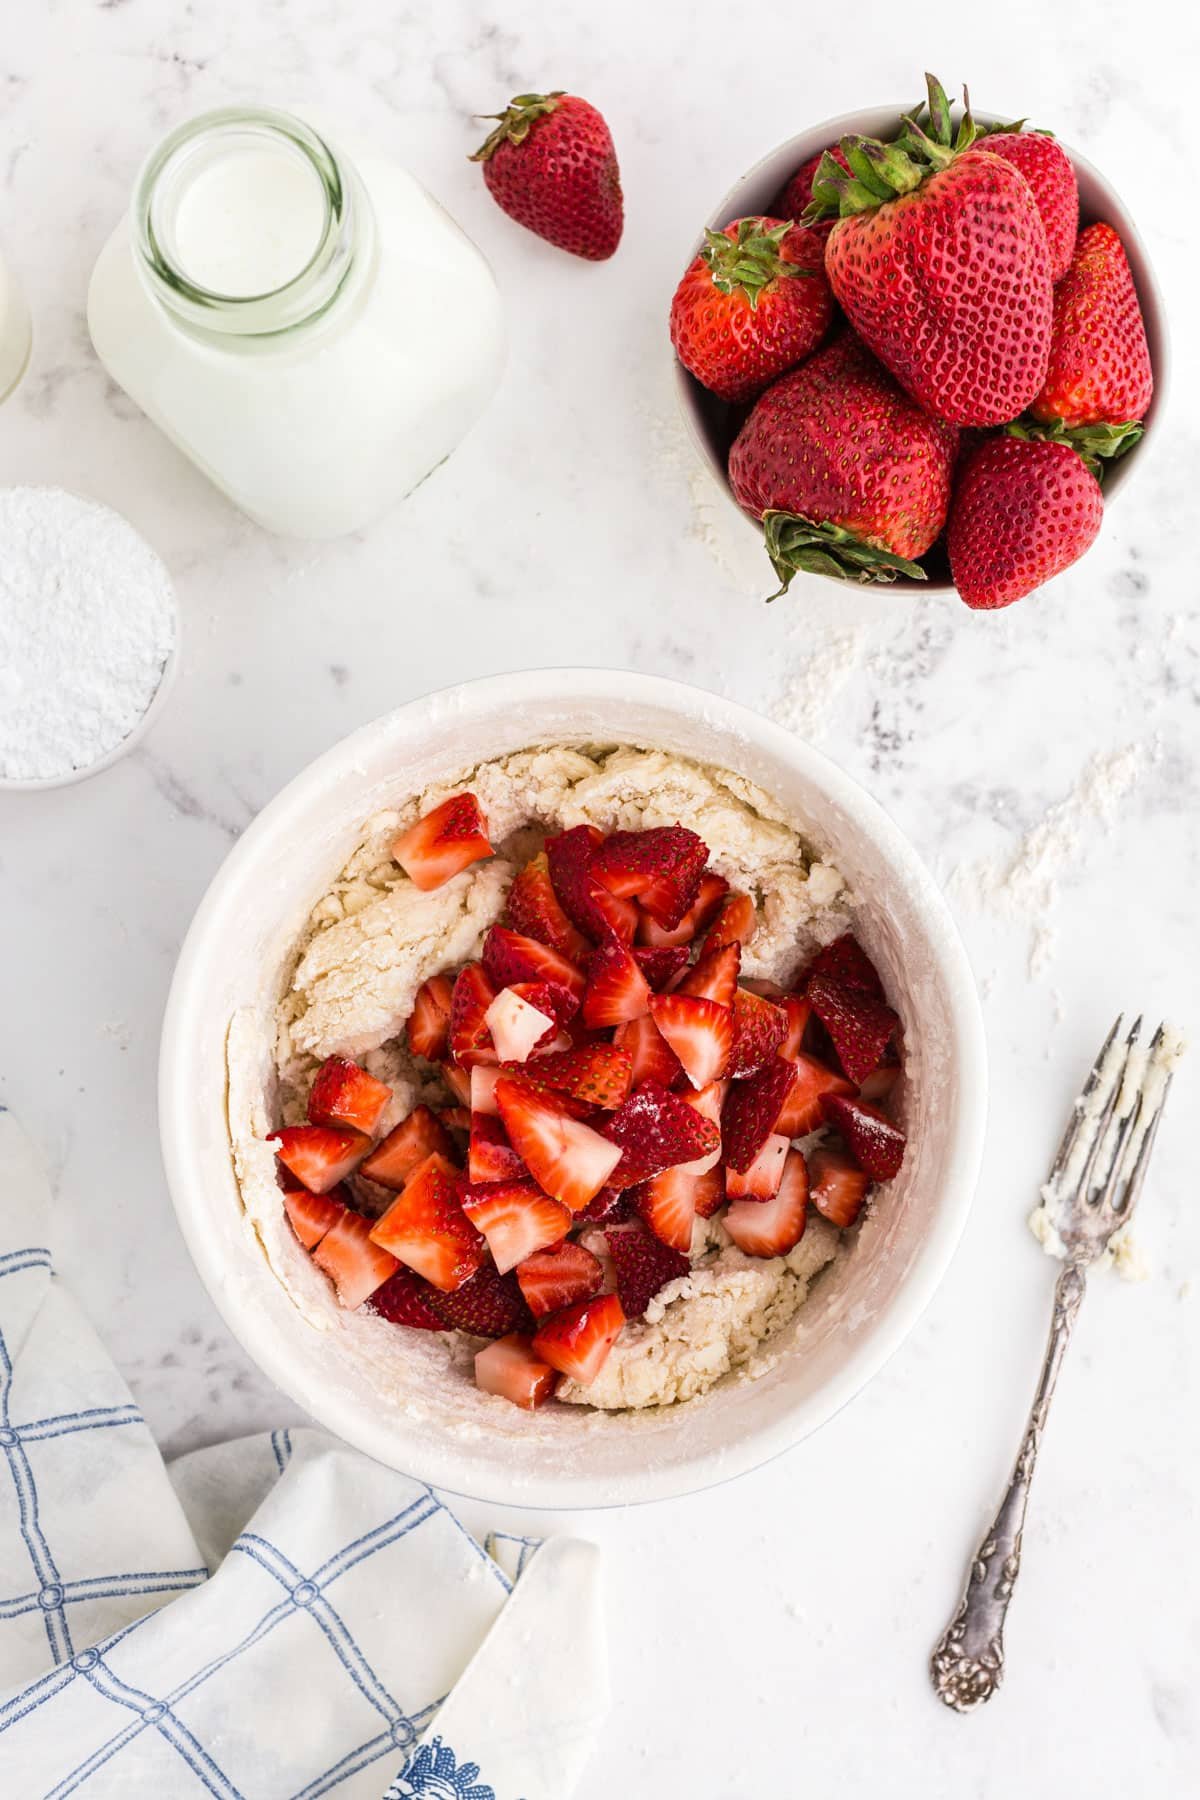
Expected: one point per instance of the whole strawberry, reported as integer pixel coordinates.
(1051, 177)
(947, 279)
(1099, 371)
(848, 475)
(753, 303)
(550, 165)
(796, 197)
(1023, 511)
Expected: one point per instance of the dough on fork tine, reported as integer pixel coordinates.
(1075, 1121)
(1103, 1124)
(1121, 1196)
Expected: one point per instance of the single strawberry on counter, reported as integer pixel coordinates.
(1024, 510)
(753, 303)
(1099, 371)
(550, 165)
(1051, 177)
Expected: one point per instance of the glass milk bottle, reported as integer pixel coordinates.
(315, 335)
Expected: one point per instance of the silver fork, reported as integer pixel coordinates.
(1093, 1184)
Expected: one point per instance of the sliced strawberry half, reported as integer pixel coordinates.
(759, 1030)
(422, 1134)
(772, 1227)
(838, 1186)
(594, 1074)
(699, 1031)
(846, 964)
(653, 1058)
(762, 1178)
(510, 957)
(470, 1039)
(426, 1228)
(566, 1158)
(518, 1025)
(709, 1102)
(429, 1022)
(803, 1109)
(859, 1026)
(516, 1218)
(347, 1098)
(491, 1156)
(488, 1304)
(874, 1141)
(444, 842)
(715, 976)
(709, 895)
(798, 1012)
(667, 1204)
(320, 1156)
(312, 1215)
(577, 1341)
(752, 1110)
(656, 1130)
(552, 1279)
(354, 1263)
(644, 1266)
(617, 991)
(404, 1300)
(511, 1368)
(534, 910)
(661, 867)
(661, 966)
(734, 924)
(587, 903)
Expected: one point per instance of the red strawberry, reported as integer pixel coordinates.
(510, 1368)
(751, 1112)
(444, 842)
(489, 1304)
(519, 1022)
(859, 1026)
(761, 1180)
(550, 165)
(470, 1039)
(803, 1110)
(320, 1157)
(797, 195)
(849, 476)
(644, 1266)
(312, 1215)
(590, 906)
(838, 1187)
(534, 910)
(947, 280)
(652, 1056)
(772, 1227)
(577, 1341)
(655, 1130)
(661, 964)
(617, 991)
(491, 1157)
(508, 957)
(516, 1218)
(404, 1300)
(699, 1031)
(759, 1029)
(873, 1140)
(429, 1025)
(393, 1161)
(734, 924)
(345, 1096)
(661, 867)
(565, 1157)
(1099, 371)
(709, 1193)
(552, 1279)
(596, 1074)
(667, 1204)
(798, 1012)
(709, 1102)
(354, 1263)
(709, 895)
(455, 1119)
(845, 962)
(714, 976)
(458, 1081)
(1047, 168)
(1023, 512)
(753, 303)
(879, 1085)
(426, 1228)
(610, 1206)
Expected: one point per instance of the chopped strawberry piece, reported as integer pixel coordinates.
(586, 902)
(552, 1279)
(860, 1027)
(798, 1012)
(312, 1215)
(880, 1083)
(762, 1178)
(484, 1077)
(608, 1205)
(488, 1304)
(354, 1263)
(873, 1140)
(752, 1110)
(510, 1368)
(838, 1186)
(565, 1157)
(644, 1266)
(702, 912)
(458, 1081)
(709, 1193)
(653, 1058)
(846, 964)
(734, 924)
(617, 990)
(667, 1204)
(455, 1119)
(802, 1110)
(426, 1228)
(404, 1300)
(517, 1026)
(595, 1074)
(709, 1102)
(318, 1156)
(429, 1023)
(509, 957)
(577, 1341)
(699, 1031)
(775, 1226)
(444, 842)
(393, 1161)
(661, 867)
(534, 910)
(714, 977)
(347, 1098)
(655, 1131)
(516, 1218)
(470, 1039)
(759, 1030)
(660, 966)
(548, 998)
(491, 1156)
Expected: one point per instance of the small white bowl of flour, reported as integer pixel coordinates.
(88, 637)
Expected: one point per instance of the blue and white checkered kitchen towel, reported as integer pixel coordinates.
(273, 1617)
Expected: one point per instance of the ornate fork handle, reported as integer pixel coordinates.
(968, 1664)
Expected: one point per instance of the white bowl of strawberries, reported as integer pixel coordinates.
(511, 1150)
(923, 349)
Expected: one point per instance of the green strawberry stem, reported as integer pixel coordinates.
(797, 545)
(517, 121)
(751, 260)
(881, 171)
(1095, 444)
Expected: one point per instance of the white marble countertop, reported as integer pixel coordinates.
(770, 1636)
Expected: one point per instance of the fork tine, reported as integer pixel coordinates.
(1089, 1087)
(1105, 1119)
(1135, 1177)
